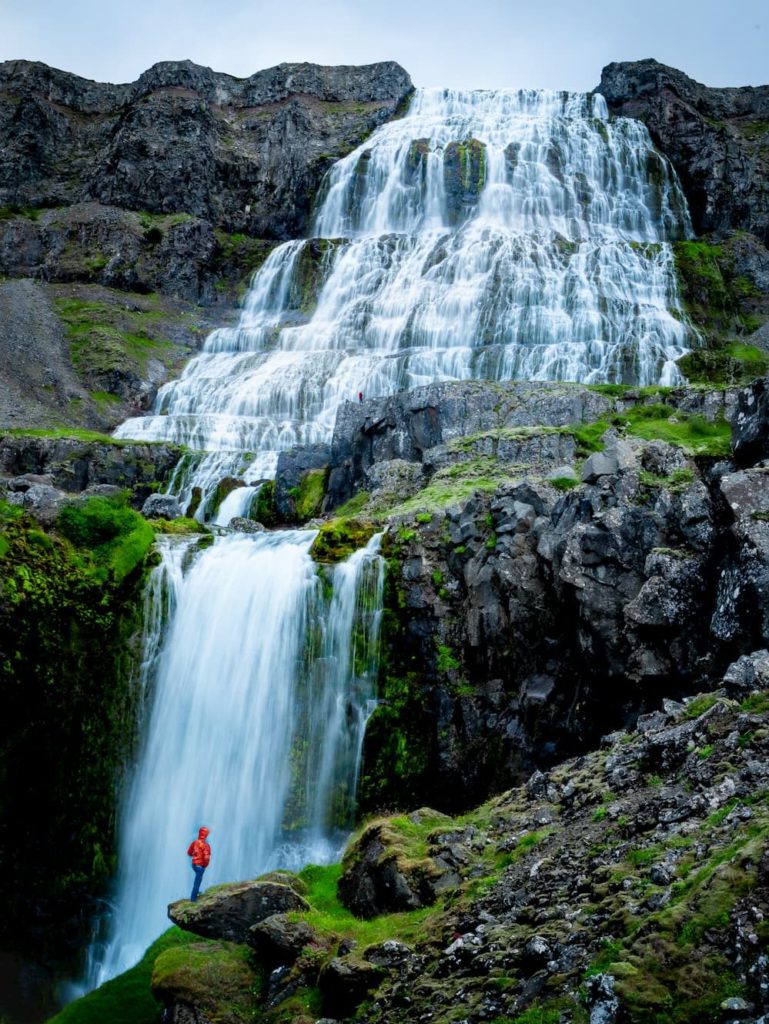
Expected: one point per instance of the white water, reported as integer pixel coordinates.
(558, 269)
(260, 700)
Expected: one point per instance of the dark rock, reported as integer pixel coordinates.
(748, 673)
(345, 983)
(76, 465)
(379, 878)
(241, 525)
(750, 426)
(244, 154)
(708, 135)
(602, 1000)
(277, 940)
(41, 501)
(293, 468)
(229, 911)
(162, 506)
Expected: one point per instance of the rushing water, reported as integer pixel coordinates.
(262, 688)
(492, 234)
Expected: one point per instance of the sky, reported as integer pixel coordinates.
(554, 44)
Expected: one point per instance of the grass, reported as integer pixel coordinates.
(126, 999)
(65, 433)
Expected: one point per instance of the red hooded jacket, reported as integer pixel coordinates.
(199, 850)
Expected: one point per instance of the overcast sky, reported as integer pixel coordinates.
(560, 44)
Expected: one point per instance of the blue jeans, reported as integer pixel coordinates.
(198, 869)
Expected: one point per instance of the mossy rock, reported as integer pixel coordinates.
(339, 538)
(388, 869)
(732, 364)
(218, 979)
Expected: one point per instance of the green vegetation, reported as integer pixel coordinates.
(263, 505)
(312, 490)
(353, 506)
(108, 339)
(697, 707)
(677, 481)
(339, 538)
(115, 538)
(127, 999)
(77, 433)
(70, 602)
(734, 363)
(692, 433)
(564, 483)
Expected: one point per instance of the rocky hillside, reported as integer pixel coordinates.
(629, 886)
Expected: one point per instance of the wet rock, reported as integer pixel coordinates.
(229, 911)
(241, 525)
(162, 506)
(721, 166)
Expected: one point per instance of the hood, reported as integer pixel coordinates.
(203, 832)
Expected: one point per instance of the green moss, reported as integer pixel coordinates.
(181, 527)
(218, 978)
(676, 481)
(698, 706)
(564, 483)
(734, 363)
(263, 505)
(126, 999)
(312, 490)
(352, 507)
(446, 662)
(76, 433)
(69, 609)
(339, 538)
(106, 339)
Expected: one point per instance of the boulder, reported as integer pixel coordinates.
(344, 983)
(201, 983)
(41, 501)
(381, 876)
(748, 673)
(241, 525)
(277, 940)
(229, 911)
(162, 506)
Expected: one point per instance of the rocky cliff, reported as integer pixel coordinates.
(717, 140)
(136, 207)
(243, 155)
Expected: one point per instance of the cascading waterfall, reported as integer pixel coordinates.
(261, 695)
(505, 234)
(491, 234)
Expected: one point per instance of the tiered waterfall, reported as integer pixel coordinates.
(497, 235)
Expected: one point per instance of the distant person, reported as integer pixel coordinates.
(200, 852)
(360, 396)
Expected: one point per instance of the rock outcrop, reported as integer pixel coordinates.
(244, 155)
(715, 138)
(229, 911)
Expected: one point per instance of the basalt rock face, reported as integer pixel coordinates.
(716, 139)
(246, 155)
(524, 620)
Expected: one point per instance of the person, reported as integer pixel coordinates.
(200, 852)
(360, 396)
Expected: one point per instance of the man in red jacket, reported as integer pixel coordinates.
(200, 852)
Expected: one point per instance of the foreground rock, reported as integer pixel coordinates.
(229, 911)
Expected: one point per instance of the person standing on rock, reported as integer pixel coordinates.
(200, 852)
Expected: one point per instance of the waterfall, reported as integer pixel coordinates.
(262, 688)
(490, 234)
